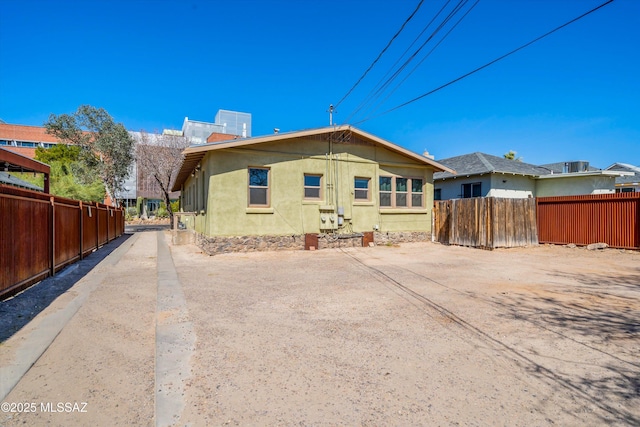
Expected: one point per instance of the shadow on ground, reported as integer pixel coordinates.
(602, 313)
(137, 228)
(20, 309)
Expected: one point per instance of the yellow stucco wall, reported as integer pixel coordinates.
(219, 193)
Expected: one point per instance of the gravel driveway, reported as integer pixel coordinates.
(417, 334)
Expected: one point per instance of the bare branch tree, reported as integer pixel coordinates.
(159, 157)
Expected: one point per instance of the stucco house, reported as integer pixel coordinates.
(484, 175)
(628, 183)
(277, 190)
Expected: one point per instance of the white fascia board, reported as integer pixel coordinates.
(589, 173)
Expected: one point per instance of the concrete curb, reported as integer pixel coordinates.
(175, 341)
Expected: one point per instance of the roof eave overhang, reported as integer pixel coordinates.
(469, 175)
(16, 162)
(581, 174)
(194, 154)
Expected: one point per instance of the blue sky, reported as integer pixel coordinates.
(574, 95)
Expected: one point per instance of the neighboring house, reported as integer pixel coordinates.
(484, 175)
(335, 181)
(628, 183)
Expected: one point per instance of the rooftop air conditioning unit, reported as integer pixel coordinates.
(578, 166)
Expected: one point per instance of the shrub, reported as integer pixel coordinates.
(130, 213)
(162, 212)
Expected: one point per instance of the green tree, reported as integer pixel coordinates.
(511, 155)
(58, 153)
(105, 147)
(65, 169)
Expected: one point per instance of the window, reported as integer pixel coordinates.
(312, 186)
(258, 187)
(471, 190)
(401, 192)
(416, 193)
(437, 194)
(361, 189)
(385, 191)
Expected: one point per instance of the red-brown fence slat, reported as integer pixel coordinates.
(606, 218)
(40, 234)
(24, 253)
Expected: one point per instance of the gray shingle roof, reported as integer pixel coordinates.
(481, 163)
(6, 178)
(626, 168)
(559, 167)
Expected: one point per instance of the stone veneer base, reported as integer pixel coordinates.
(227, 244)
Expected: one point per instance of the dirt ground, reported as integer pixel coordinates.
(416, 334)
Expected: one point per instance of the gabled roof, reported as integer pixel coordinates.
(481, 163)
(625, 167)
(195, 153)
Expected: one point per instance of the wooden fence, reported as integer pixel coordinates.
(40, 234)
(486, 222)
(607, 218)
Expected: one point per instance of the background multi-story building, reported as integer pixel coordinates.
(24, 140)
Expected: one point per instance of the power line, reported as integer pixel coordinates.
(381, 53)
(380, 86)
(372, 97)
(425, 57)
(487, 64)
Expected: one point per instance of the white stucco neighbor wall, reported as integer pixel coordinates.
(512, 186)
(574, 186)
(452, 188)
(493, 185)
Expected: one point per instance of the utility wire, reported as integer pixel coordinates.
(374, 93)
(374, 96)
(487, 64)
(382, 52)
(424, 58)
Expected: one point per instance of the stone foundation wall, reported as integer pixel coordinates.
(219, 245)
(326, 241)
(226, 244)
(382, 238)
